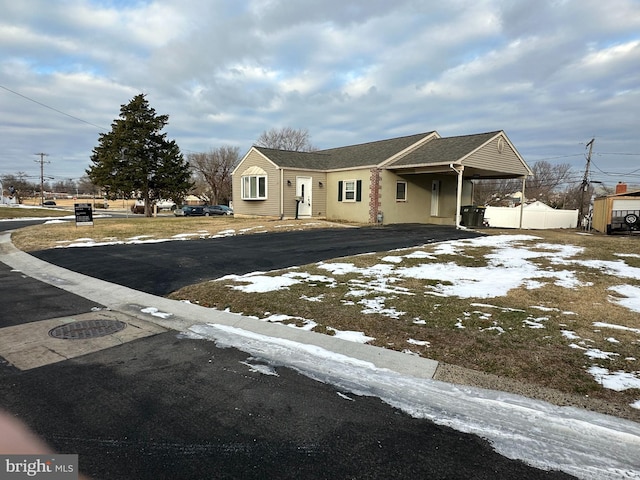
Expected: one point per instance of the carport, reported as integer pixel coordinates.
(468, 158)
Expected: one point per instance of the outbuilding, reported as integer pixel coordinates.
(617, 213)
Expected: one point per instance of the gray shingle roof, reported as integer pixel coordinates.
(440, 150)
(291, 159)
(372, 153)
(352, 156)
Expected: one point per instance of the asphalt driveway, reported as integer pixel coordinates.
(161, 268)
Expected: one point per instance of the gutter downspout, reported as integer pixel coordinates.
(458, 192)
(522, 200)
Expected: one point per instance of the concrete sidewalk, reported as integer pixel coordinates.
(132, 306)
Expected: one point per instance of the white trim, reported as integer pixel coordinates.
(243, 192)
(252, 149)
(344, 190)
(406, 188)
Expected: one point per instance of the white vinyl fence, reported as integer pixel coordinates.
(536, 215)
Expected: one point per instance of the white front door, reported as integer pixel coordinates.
(303, 191)
(435, 198)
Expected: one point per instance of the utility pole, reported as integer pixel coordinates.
(42, 162)
(584, 187)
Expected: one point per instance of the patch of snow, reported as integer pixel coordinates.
(376, 305)
(599, 354)
(545, 309)
(569, 334)
(631, 294)
(318, 298)
(346, 397)
(261, 283)
(263, 369)
(306, 324)
(422, 343)
(155, 312)
(617, 381)
(350, 335)
(615, 327)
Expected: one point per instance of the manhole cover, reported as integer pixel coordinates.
(87, 329)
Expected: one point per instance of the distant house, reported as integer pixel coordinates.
(421, 178)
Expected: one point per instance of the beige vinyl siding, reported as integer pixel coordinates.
(417, 207)
(318, 193)
(489, 158)
(268, 207)
(348, 211)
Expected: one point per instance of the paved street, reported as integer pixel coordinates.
(167, 406)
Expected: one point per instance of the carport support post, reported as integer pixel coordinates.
(522, 199)
(459, 170)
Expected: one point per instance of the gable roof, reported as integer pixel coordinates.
(293, 159)
(444, 150)
(420, 153)
(352, 156)
(372, 153)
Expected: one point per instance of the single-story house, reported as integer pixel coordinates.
(423, 178)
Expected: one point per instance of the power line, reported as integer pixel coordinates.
(51, 108)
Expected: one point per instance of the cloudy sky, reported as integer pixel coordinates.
(552, 73)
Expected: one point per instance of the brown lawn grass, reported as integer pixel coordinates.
(540, 357)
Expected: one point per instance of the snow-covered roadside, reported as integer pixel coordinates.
(582, 443)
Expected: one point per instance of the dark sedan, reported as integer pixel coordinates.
(217, 210)
(189, 211)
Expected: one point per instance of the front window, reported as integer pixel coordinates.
(401, 191)
(350, 191)
(254, 187)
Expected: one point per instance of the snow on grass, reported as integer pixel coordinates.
(350, 335)
(617, 381)
(631, 296)
(615, 327)
(510, 265)
(421, 343)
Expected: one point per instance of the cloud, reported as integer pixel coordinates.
(551, 74)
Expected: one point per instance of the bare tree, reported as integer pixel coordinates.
(545, 186)
(18, 186)
(546, 181)
(286, 138)
(495, 192)
(86, 186)
(212, 173)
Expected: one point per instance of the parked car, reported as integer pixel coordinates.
(166, 205)
(137, 207)
(189, 211)
(49, 203)
(217, 210)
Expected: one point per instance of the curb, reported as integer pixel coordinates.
(181, 316)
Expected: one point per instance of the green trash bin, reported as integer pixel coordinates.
(478, 216)
(472, 216)
(466, 212)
